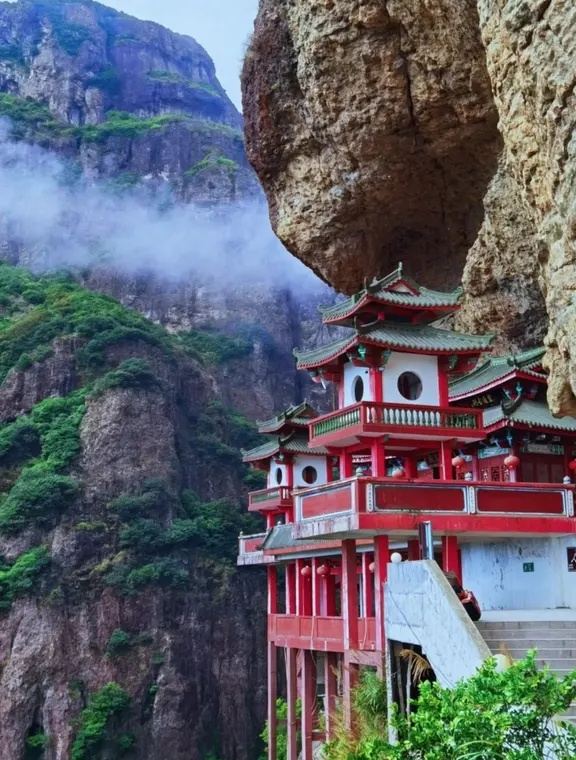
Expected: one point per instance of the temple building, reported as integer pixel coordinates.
(432, 437)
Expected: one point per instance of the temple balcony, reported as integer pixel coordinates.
(250, 551)
(361, 507)
(270, 499)
(371, 419)
(321, 634)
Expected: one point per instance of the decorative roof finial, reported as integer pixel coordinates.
(399, 267)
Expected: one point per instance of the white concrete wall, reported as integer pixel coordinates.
(274, 468)
(421, 608)
(319, 464)
(351, 372)
(426, 367)
(494, 572)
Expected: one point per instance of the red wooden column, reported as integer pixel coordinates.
(378, 459)
(350, 619)
(272, 667)
(414, 549)
(381, 559)
(316, 587)
(308, 703)
(331, 686)
(269, 521)
(291, 589)
(331, 594)
(303, 588)
(450, 558)
(446, 460)
(346, 466)
(410, 467)
(291, 696)
(367, 585)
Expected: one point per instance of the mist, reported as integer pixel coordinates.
(62, 220)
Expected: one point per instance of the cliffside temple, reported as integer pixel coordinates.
(438, 457)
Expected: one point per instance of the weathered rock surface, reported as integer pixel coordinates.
(373, 131)
(530, 53)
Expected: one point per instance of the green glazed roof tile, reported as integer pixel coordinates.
(296, 444)
(530, 413)
(394, 335)
(498, 368)
(299, 415)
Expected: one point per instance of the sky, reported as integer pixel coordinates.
(222, 27)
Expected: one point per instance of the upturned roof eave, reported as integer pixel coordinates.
(516, 373)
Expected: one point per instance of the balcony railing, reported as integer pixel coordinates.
(385, 503)
(371, 418)
(318, 632)
(270, 498)
(250, 551)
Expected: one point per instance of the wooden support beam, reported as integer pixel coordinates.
(349, 594)
(446, 460)
(367, 586)
(450, 560)
(381, 559)
(291, 696)
(378, 456)
(330, 686)
(272, 696)
(308, 703)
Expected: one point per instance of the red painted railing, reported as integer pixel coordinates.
(343, 503)
(372, 417)
(318, 633)
(270, 498)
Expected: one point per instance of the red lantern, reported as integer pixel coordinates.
(398, 472)
(572, 465)
(372, 567)
(306, 571)
(322, 570)
(458, 462)
(511, 462)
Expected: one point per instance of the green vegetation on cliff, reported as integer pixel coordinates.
(105, 707)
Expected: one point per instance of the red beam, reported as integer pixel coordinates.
(349, 594)
(272, 694)
(308, 703)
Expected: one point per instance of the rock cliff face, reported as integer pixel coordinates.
(433, 132)
(122, 499)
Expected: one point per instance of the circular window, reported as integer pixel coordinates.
(358, 389)
(309, 475)
(279, 475)
(410, 386)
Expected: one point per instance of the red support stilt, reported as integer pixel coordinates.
(381, 559)
(410, 467)
(349, 594)
(450, 563)
(330, 595)
(272, 695)
(376, 385)
(308, 703)
(330, 686)
(367, 585)
(414, 549)
(378, 459)
(291, 696)
(316, 587)
(291, 589)
(346, 467)
(272, 591)
(446, 460)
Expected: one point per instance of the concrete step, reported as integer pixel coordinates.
(525, 625)
(528, 633)
(536, 643)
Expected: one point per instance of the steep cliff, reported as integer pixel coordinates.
(438, 133)
(124, 623)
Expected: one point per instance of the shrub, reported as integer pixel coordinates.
(131, 373)
(17, 579)
(109, 702)
(38, 496)
(213, 160)
(58, 421)
(107, 80)
(18, 442)
(119, 643)
(213, 347)
(281, 731)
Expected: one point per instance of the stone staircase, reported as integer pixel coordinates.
(555, 641)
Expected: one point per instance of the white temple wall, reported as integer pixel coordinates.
(320, 466)
(351, 373)
(426, 367)
(496, 573)
(278, 475)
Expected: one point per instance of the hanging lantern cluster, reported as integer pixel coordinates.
(323, 570)
(572, 465)
(306, 571)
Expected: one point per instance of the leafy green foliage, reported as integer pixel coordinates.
(107, 80)
(281, 731)
(119, 643)
(124, 125)
(27, 114)
(38, 496)
(57, 422)
(213, 347)
(168, 77)
(36, 743)
(17, 579)
(131, 373)
(96, 723)
(19, 441)
(491, 716)
(213, 160)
